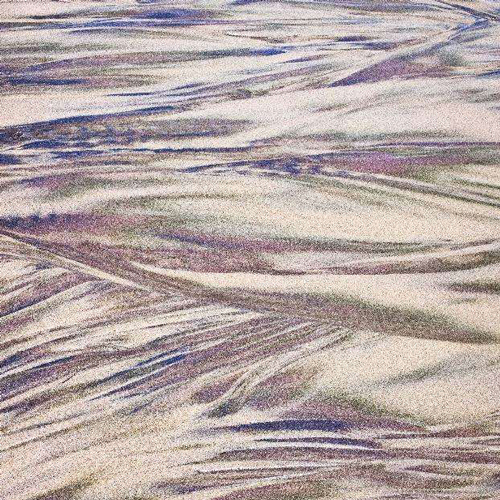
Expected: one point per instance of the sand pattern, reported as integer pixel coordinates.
(250, 250)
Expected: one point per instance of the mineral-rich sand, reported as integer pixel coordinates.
(250, 250)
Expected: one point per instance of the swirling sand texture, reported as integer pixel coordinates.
(250, 250)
